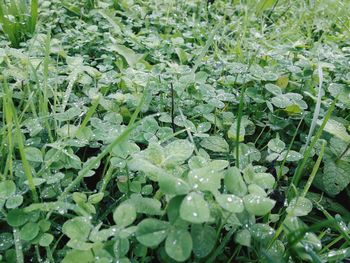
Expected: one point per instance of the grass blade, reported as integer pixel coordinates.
(317, 108)
(298, 173)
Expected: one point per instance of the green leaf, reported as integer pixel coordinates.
(95, 198)
(335, 176)
(79, 197)
(78, 256)
(6, 241)
(46, 239)
(262, 233)
(16, 217)
(292, 156)
(276, 145)
(178, 244)
(256, 189)
(121, 247)
(173, 209)
(177, 152)
(130, 56)
(29, 231)
(299, 206)
(124, 215)
(264, 180)
(194, 209)
(77, 228)
(243, 237)
(151, 232)
(146, 205)
(14, 201)
(337, 129)
(7, 189)
(341, 91)
(232, 132)
(234, 182)
(205, 179)
(33, 154)
(217, 165)
(274, 89)
(143, 165)
(170, 184)
(204, 239)
(258, 205)
(215, 144)
(230, 203)
(246, 127)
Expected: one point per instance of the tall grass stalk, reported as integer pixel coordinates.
(26, 166)
(298, 172)
(314, 170)
(317, 107)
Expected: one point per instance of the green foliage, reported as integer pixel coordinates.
(18, 19)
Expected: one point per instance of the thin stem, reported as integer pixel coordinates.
(314, 170)
(18, 246)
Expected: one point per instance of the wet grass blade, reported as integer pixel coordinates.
(298, 173)
(26, 166)
(314, 170)
(317, 107)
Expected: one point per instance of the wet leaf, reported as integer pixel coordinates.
(151, 232)
(243, 237)
(77, 228)
(258, 205)
(234, 182)
(194, 209)
(124, 215)
(7, 189)
(204, 239)
(171, 185)
(299, 206)
(29, 231)
(16, 217)
(46, 239)
(276, 145)
(230, 203)
(215, 144)
(178, 244)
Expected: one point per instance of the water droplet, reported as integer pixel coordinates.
(195, 214)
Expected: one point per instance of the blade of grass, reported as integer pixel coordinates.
(239, 119)
(317, 107)
(298, 172)
(33, 15)
(9, 127)
(343, 233)
(26, 166)
(88, 115)
(18, 246)
(314, 170)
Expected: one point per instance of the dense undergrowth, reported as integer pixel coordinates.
(166, 131)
